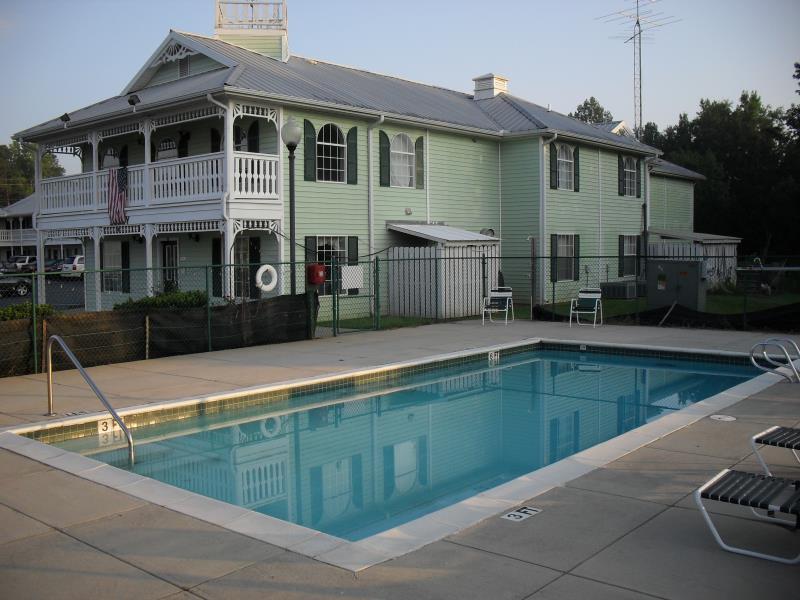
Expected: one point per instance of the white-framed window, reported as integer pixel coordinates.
(629, 166)
(110, 159)
(167, 148)
(565, 261)
(402, 161)
(330, 247)
(112, 265)
(630, 251)
(331, 154)
(566, 166)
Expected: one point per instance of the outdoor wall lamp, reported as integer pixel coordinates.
(133, 100)
(290, 134)
(65, 119)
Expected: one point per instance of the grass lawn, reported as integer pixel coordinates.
(730, 304)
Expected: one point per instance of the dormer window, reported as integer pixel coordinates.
(167, 148)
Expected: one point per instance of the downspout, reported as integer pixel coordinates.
(646, 219)
(542, 207)
(370, 185)
(227, 194)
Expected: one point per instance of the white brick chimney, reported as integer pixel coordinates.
(489, 85)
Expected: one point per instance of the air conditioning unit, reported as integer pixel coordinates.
(619, 290)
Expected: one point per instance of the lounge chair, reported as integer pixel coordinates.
(588, 302)
(757, 491)
(499, 300)
(779, 437)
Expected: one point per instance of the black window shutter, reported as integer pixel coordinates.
(419, 148)
(620, 175)
(125, 252)
(352, 156)
(553, 167)
(352, 258)
(576, 170)
(252, 137)
(311, 249)
(639, 178)
(621, 270)
(102, 277)
(553, 257)
(385, 150)
(576, 258)
(309, 151)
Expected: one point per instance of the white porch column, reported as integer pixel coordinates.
(229, 147)
(40, 279)
(148, 176)
(228, 275)
(95, 168)
(98, 294)
(148, 257)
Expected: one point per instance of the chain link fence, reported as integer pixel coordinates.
(136, 314)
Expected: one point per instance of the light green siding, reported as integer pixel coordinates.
(464, 180)
(266, 44)
(520, 210)
(198, 63)
(671, 204)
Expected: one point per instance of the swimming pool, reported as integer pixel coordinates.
(355, 460)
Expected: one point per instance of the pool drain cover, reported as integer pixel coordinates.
(725, 418)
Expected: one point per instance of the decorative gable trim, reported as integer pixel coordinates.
(174, 47)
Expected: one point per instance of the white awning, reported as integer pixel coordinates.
(442, 234)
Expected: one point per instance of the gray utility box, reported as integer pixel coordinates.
(681, 280)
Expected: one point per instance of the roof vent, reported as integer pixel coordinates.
(489, 85)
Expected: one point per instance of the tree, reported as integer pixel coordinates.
(652, 136)
(591, 111)
(17, 170)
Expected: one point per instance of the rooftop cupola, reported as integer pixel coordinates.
(489, 85)
(257, 25)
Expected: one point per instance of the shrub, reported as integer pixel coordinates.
(194, 299)
(23, 311)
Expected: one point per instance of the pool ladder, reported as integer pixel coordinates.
(775, 364)
(89, 382)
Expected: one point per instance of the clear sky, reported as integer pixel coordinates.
(59, 55)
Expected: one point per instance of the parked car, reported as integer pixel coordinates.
(53, 265)
(24, 264)
(73, 266)
(14, 286)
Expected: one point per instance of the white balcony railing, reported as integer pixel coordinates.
(135, 187)
(194, 178)
(18, 236)
(72, 193)
(255, 175)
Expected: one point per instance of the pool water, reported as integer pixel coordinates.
(360, 462)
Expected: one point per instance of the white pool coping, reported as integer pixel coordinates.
(405, 538)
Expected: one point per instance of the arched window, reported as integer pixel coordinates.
(167, 148)
(109, 159)
(331, 154)
(566, 166)
(216, 141)
(252, 137)
(629, 164)
(403, 161)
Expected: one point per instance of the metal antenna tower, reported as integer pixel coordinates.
(643, 19)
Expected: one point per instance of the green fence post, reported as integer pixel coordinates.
(377, 287)
(34, 321)
(436, 285)
(334, 298)
(208, 306)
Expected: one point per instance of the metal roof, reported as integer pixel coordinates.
(325, 84)
(708, 238)
(21, 208)
(659, 166)
(441, 233)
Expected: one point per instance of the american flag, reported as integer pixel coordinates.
(117, 195)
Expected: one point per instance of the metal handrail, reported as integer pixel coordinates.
(776, 343)
(90, 383)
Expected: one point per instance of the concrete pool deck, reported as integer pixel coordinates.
(627, 530)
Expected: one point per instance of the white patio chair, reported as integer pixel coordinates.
(499, 300)
(588, 302)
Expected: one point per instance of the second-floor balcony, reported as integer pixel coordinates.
(20, 237)
(178, 180)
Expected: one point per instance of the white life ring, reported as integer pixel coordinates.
(273, 281)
